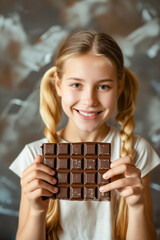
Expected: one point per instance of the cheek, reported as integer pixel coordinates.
(110, 100)
(68, 98)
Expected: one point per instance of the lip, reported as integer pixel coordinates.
(97, 113)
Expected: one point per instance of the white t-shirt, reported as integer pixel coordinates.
(90, 220)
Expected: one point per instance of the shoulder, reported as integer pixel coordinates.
(35, 147)
(145, 157)
(142, 146)
(27, 156)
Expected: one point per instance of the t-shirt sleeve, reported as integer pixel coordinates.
(24, 159)
(145, 158)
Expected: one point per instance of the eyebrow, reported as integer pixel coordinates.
(80, 79)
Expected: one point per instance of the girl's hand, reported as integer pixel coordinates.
(128, 181)
(37, 181)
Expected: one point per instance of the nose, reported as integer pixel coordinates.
(89, 97)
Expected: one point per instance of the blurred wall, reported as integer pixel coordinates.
(29, 35)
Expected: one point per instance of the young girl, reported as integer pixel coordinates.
(91, 84)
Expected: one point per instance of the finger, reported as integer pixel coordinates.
(124, 169)
(123, 160)
(40, 192)
(130, 191)
(38, 159)
(38, 166)
(37, 174)
(36, 184)
(121, 183)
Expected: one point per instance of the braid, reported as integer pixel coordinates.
(52, 220)
(126, 107)
(50, 110)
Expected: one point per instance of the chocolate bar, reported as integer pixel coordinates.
(79, 169)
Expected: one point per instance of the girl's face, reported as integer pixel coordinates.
(88, 91)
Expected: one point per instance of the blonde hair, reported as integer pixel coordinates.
(50, 110)
(100, 44)
(125, 107)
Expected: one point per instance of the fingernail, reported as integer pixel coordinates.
(54, 181)
(102, 189)
(112, 164)
(55, 189)
(105, 175)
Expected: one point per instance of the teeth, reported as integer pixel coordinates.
(88, 114)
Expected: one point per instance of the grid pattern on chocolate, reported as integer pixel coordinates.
(79, 169)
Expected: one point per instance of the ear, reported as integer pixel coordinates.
(120, 85)
(57, 84)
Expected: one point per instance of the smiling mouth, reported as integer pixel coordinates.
(88, 114)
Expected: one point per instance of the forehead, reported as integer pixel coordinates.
(90, 65)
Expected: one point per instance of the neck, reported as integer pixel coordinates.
(72, 135)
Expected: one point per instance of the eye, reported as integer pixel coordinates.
(103, 87)
(76, 85)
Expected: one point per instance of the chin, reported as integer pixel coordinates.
(87, 129)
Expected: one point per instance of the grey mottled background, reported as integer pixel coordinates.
(29, 35)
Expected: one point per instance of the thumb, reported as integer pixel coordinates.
(38, 159)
